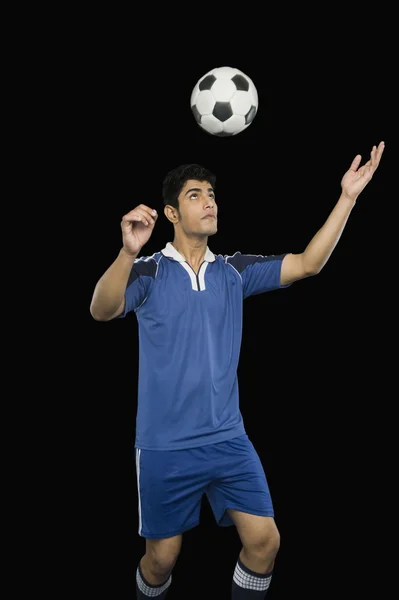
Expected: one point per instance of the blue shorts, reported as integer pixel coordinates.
(171, 485)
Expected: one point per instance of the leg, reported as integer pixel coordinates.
(160, 558)
(165, 479)
(240, 493)
(260, 539)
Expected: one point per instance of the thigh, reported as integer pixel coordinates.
(170, 490)
(241, 483)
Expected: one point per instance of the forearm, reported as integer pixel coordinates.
(110, 289)
(319, 249)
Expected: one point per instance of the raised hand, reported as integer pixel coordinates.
(137, 227)
(356, 178)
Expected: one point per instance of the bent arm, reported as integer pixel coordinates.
(311, 261)
(109, 294)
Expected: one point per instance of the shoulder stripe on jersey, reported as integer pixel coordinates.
(157, 260)
(234, 269)
(145, 266)
(241, 261)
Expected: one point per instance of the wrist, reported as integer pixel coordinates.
(126, 255)
(348, 199)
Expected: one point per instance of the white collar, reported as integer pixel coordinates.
(171, 252)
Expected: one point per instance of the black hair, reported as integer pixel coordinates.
(177, 177)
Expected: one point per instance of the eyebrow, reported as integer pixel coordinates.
(198, 190)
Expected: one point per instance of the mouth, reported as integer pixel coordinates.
(209, 217)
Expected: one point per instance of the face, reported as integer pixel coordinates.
(197, 208)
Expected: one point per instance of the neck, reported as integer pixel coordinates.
(192, 250)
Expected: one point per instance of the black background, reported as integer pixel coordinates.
(312, 370)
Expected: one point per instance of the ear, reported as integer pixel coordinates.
(171, 213)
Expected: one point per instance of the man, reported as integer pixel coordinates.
(190, 436)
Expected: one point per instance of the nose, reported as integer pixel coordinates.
(210, 203)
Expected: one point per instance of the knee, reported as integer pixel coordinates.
(163, 564)
(266, 544)
(274, 542)
(163, 557)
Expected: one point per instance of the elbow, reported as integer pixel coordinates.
(309, 272)
(311, 269)
(105, 309)
(313, 272)
(97, 316)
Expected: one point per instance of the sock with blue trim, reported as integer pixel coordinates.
(248, 585)
(145, 590)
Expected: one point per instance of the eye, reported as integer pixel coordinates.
(193, 196)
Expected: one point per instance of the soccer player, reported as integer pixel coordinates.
(190, 436)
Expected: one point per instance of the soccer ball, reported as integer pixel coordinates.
(224, 101)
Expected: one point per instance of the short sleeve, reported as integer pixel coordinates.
(258, 273)
(139, 284)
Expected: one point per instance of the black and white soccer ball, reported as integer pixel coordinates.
(224, 101)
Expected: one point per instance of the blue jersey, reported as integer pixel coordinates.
(190, 331)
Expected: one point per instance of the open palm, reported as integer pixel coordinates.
(356, 178)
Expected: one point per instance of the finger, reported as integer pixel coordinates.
(380, 148)
(130, 219)
(379, 151)
(376, 154)
(150, 211)
(142, 209)
(149, 216)
(355, 163)
(143, 215)
(373, 156)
